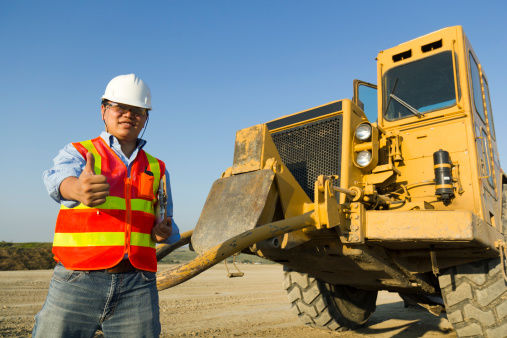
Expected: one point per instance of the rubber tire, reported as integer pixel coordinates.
(475, 297)
(326, 306)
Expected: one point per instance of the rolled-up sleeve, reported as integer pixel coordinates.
(175, 235)
(67, 163)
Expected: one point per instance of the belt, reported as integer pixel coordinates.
(123, 266)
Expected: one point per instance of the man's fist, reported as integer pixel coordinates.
(161, 231)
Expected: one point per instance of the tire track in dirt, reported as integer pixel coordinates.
(212, 305)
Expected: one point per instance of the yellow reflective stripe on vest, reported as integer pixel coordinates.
(155, 169)
(142, 205)
(89, 239)
(112, 202)
(98, 159)
(102, 239)
(140, 239)
(118, 203)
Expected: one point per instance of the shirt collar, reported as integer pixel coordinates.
(112, 141)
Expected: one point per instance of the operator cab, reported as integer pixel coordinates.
(419, 87)
(433, 95)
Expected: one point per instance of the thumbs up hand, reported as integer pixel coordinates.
(92, 189)
(89, 189)
(90, 164)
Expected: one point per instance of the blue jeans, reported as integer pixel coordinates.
(80, 302)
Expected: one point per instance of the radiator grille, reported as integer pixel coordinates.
(311, 150)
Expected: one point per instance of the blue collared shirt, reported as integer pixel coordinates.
(69, 162)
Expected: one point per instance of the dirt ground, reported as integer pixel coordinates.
(212, 305)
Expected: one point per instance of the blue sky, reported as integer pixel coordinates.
(213, 67)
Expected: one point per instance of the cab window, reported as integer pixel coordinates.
(418, 87)
(476, 88)
(368, 101)
(488, 108)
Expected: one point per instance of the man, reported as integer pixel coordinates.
(107, 227)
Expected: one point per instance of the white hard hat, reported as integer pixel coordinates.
(128, 89)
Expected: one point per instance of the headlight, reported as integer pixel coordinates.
(363, 132)
(363, 158)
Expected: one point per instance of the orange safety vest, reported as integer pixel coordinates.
(98, 238)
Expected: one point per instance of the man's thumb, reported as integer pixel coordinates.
(90, 164)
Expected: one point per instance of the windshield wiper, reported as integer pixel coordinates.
(403, 103)
(392, 92)
(406, 105)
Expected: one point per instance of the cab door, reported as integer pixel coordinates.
(487, 153)
(365, 97)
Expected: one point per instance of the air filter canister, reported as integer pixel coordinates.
(443, 176)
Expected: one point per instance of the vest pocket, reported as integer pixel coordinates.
(146, 186)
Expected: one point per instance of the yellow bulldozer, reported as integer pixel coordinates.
(398, 189)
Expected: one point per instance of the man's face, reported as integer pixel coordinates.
(123, 121)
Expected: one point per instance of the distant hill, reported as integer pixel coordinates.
(183, 255)
(38, 256)
(26, 256)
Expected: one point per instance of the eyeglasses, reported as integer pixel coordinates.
(121, 109)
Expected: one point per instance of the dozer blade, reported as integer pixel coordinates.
(234, 205)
